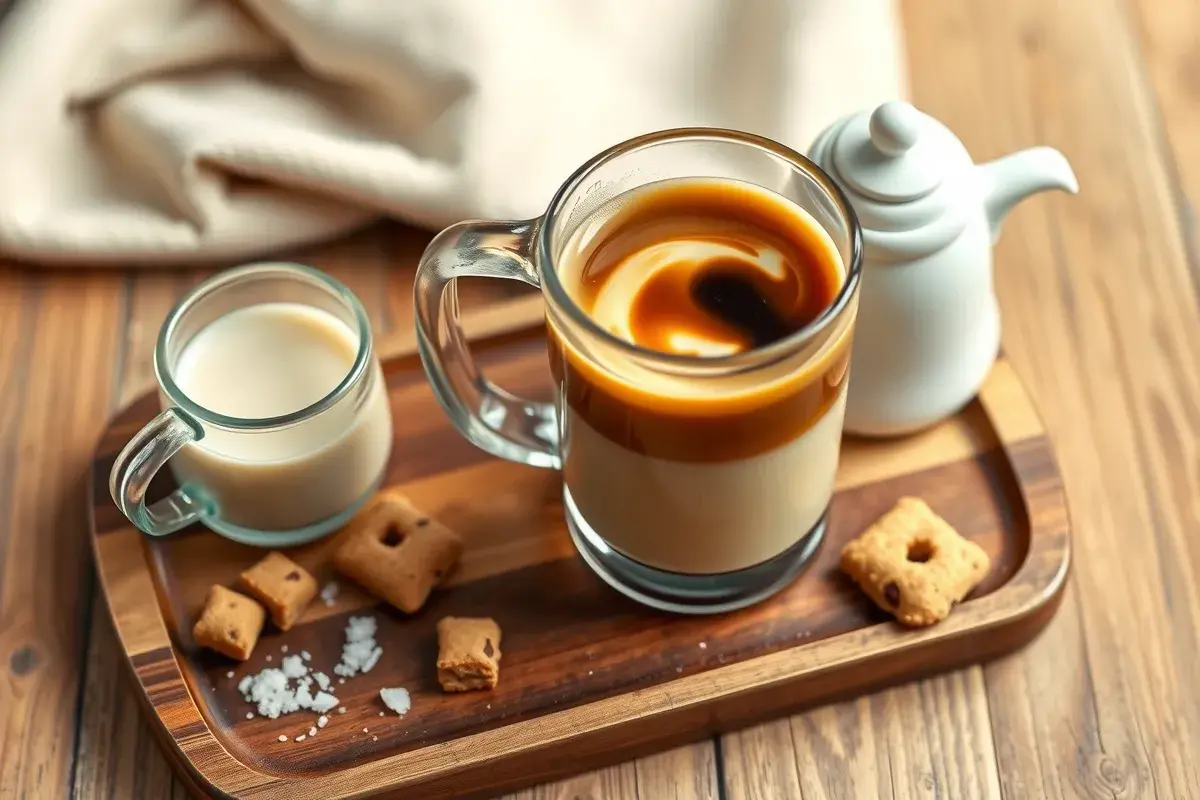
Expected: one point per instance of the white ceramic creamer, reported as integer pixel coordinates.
(928, 325)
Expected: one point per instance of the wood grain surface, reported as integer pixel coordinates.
(1100, 305)
(587, 674)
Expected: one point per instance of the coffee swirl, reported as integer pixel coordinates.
(706, 269)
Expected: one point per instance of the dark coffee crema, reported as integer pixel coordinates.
(702, 268)
(707, 268)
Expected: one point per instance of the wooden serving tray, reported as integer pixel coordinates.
(588, 677)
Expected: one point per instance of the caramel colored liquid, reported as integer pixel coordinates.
(706, 268)
(702, 267)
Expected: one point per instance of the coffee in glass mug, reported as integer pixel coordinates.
(701, 291)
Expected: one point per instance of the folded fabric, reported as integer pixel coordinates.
(162, 132)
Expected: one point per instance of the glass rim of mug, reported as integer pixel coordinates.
(753, 357)
(291, 269)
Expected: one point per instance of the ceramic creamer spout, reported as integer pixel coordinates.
(1009, 180)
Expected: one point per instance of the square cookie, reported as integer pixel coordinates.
(912, 564)
(468, 653)
(282, 585)
(230, 623)
(397, 552)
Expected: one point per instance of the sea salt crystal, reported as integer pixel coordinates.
(322, 680)
(329, 593)
(397, 700)
(293, 667)
(360, 652)
(322, 721)
(323, 702)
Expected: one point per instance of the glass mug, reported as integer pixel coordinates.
(678, 527)
(274, 481)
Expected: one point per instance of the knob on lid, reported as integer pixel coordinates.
(891, 154)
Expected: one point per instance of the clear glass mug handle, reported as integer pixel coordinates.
(138, 463)
(498, 422)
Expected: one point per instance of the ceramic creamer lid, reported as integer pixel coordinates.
(907, 176)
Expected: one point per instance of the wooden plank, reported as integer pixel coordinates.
(1101, 318)
(57, 383)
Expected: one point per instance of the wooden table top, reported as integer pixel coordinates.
(1102, 320)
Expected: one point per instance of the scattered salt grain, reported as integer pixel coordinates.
(360, 652)
(489, 705)
(341, 680)
(397, 700)
(322, 721)
(272, 693)
(322, 681)
(268, 656)
(329, 593)
(374, 738)
(679, 669)
(323, 702)
(364, 730)
(293, 667)
(590, 673)
(704, 645)
(304, 654)
(249, 715)
(229, 674)
(301, 738)
(282, 738)
(312, 731)
(283, 649)
(342, 710)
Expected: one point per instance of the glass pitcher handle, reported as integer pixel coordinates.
(498, 422)
(138, 463)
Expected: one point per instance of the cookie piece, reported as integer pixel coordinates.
(397, 552)
(282, 585)
(230, 623)
(913, 564)
(468, 653)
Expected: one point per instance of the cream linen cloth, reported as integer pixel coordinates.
(171, 131)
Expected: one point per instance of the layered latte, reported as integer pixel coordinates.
(710, 446)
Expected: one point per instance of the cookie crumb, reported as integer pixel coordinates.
(282, 585)
(468, 653)
(913, 564)
(229, 624)
(397, 552)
